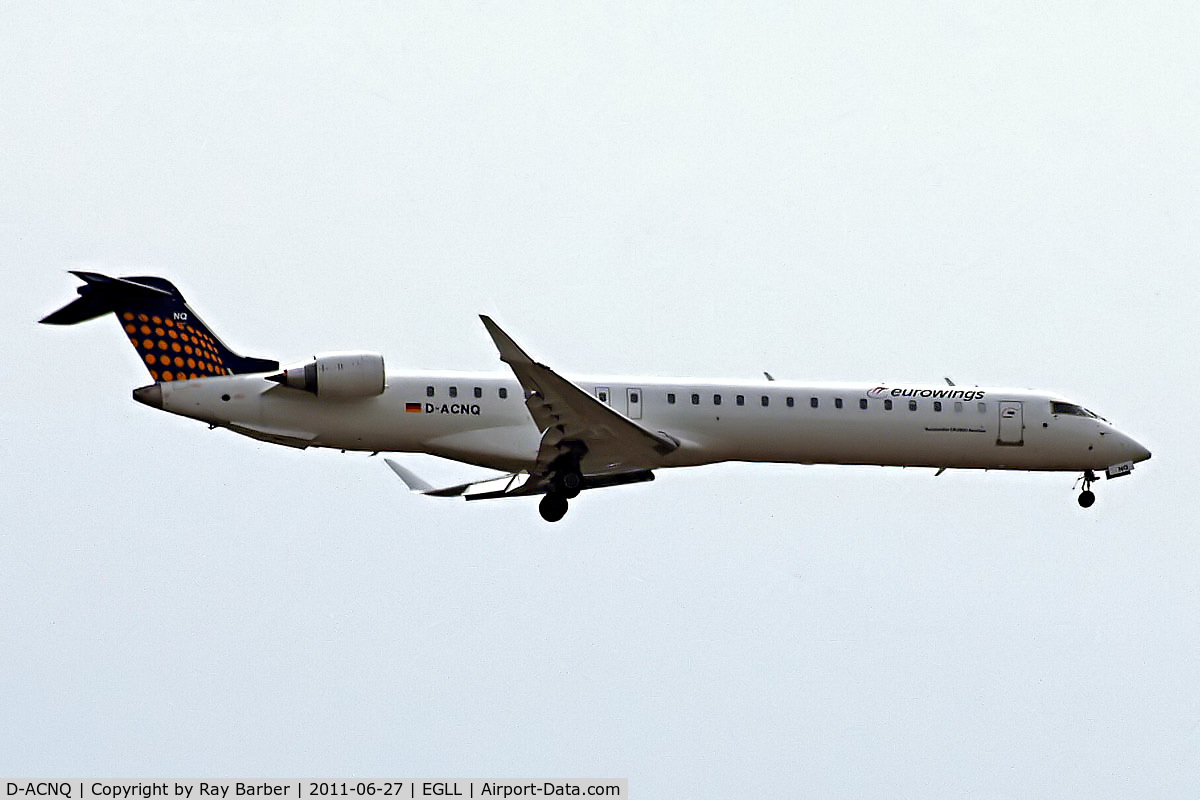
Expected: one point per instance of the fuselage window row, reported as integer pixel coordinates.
(430, 391)
(814, 402)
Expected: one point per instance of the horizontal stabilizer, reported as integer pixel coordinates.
(101, 295)
(171, 340)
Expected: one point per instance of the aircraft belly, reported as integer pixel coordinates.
(885, 442)
(509, 447)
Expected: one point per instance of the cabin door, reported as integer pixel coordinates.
(634, 398)
(1012, 423)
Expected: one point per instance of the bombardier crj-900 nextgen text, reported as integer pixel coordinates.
(555, 436)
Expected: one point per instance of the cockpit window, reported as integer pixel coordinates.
(1066, 408)
(1070, 408)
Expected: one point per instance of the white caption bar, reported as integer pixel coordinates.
(305, 789)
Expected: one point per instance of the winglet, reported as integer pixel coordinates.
(501, 486)
(510, 351)
(409, 477)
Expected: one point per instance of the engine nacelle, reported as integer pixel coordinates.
(337, 376)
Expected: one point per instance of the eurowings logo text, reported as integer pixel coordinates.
(948, 393)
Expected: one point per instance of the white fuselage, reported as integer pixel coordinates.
(463, 416)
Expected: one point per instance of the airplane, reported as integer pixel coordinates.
(555, 436)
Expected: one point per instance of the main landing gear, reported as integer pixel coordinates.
(565, 484)
(1087, 497)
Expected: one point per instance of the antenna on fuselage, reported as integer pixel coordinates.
(949, 381)
(770, 377)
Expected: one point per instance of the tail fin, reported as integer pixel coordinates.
(173, 342)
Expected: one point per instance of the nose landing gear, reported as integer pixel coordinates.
(1087, 497)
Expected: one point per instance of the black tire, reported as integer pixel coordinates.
(1086, 498)
(553, 507)
(569, 483)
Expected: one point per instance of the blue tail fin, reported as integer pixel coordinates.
(172, 341)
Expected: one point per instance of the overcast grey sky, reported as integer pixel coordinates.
(1003, 193)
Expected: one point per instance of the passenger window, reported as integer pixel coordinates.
(503, 393)
(791, 402)
(983, 408)
(670, 398)
(863, 404)
(887, 405)
(429, 391)
(716, 399)
(912, 405)
(958, 406)
(812, 401)
(695, 399)
(937, 405)
(478, 392)
(837, 402)
(454, 391)
(766, 401)
(603, 397)
(741, 399)
(633, 398)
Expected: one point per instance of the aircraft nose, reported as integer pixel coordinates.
(1133, 449)
(150, 395)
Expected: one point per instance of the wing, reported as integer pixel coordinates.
(569, 417)
(606, 447)
(515, 485)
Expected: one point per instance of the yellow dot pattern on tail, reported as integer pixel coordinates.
(173, 349)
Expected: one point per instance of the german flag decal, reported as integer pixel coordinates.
(412, 408)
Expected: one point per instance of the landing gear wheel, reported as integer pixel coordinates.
(553, 507)
(1086, 498)
(569, 483)
(566, 475)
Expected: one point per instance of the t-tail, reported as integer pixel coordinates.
(172, 341)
